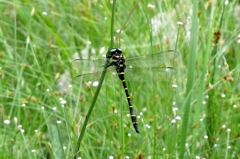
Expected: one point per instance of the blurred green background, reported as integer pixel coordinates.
(43, 105)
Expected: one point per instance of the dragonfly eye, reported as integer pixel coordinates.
(112, 50)
(115, 50)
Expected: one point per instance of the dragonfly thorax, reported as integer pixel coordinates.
(117, 59)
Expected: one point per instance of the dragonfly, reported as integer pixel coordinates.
(157, 63)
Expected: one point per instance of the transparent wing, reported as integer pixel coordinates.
(160, 59)
(141, 74)
(136, 67)
(84, 66)
(131, 75)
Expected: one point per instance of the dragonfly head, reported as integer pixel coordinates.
(113, 51)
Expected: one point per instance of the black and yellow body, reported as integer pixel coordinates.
(118, 61)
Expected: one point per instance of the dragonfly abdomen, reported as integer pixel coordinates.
(132, 113)
(119, 62)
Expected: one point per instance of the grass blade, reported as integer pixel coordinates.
(77, 148)
(190, 78)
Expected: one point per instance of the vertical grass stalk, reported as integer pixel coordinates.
(205, 61)
(77, 148)
(190, 78)
(212, 110)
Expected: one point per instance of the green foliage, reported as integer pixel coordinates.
(43, 106)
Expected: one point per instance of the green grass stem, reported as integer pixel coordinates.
(190, 80)
(77, 149)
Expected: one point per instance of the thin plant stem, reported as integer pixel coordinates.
(128, 17)
(190, 77)
(77, 148)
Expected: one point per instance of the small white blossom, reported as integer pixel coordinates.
(178, 118)
(173, 121)
(63, 102)
(144, 109)
(175, 108)
(148, 126)
(180, 23)
(151, 6)
(95, 84)
(6, 121)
